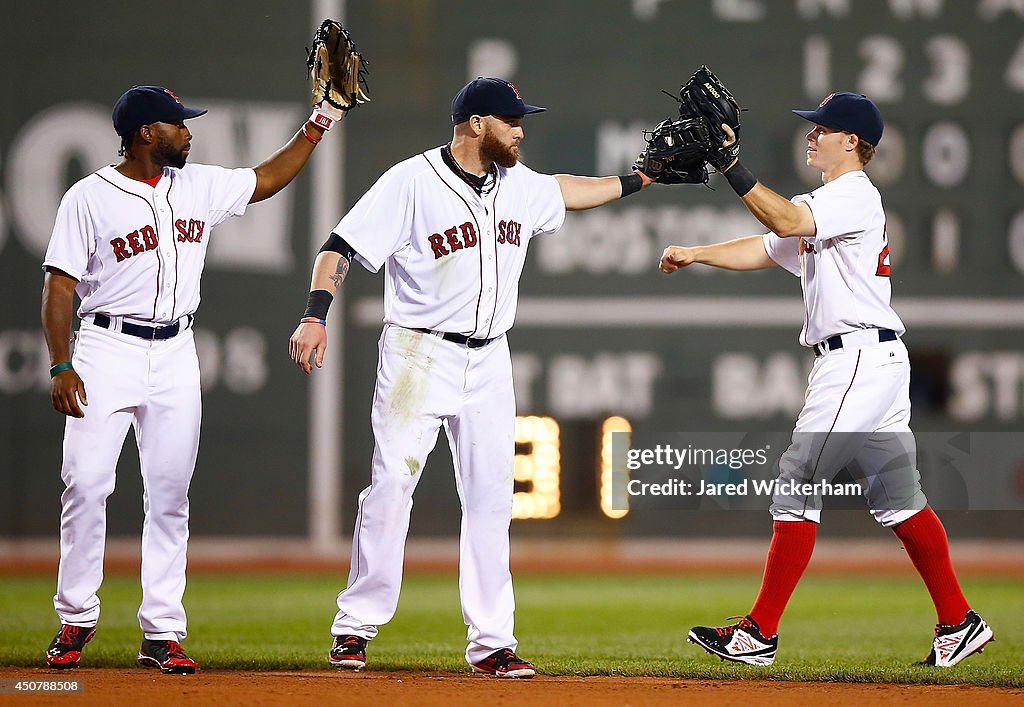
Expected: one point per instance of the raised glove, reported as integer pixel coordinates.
(675, 152)
(706, 97)
(336, 70)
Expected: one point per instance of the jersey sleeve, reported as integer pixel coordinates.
(73, 238)
(784, 251)
(547, 207)
(230, 191)
(380, 223)
(839, 211)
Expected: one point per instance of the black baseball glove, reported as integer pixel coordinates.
(337, 71)
(704, 96)
(676, 151)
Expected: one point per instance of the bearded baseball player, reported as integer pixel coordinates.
(130, 240)
(856, 412)
(451, 227)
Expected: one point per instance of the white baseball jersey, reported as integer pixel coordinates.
(454, 257)
(844, 268)
(138, 251)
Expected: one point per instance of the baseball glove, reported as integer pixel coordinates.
(706, 97)
(336, 70)
(675, 152)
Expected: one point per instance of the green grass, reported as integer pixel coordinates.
(836, 629)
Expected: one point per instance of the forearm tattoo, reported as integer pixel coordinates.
(338, 278)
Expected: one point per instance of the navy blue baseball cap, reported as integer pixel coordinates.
(485, 96)
(142, 105)
(852, 112)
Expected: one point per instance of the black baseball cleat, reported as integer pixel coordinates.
(348, 651)
(169, 656)
(66, 647)
(505, 663)
(742, 642)
(954, 643)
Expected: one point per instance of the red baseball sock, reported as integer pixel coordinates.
(924, 539)
(792, 545)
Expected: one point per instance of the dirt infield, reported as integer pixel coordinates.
(224, 688)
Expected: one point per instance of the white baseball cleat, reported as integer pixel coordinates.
(742, 642)
(954, 643)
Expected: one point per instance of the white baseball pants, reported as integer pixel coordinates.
(423, 382)
(153, 386)
(856, 415)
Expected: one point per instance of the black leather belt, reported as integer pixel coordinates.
(458, 338)
(150, 333)
(836, 342)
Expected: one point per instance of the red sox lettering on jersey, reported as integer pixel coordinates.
(464, 236)
(145, 239)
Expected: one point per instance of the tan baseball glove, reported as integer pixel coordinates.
(336, 70)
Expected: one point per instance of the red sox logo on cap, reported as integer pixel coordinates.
(516, 90)
(826, 99)
(170, 93)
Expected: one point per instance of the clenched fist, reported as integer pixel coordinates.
(675, 257)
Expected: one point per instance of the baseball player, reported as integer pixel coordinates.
(131, 240)
(451, 227)
(856, 412)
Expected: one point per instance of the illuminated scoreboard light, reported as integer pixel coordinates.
(539, 467)
(606, 480)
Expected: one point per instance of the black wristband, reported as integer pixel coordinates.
(740, 179)
(631, 184)
(318, 304)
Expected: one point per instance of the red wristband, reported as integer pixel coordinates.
(305, 134)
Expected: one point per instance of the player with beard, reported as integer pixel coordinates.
(451, 227)
(131, 240)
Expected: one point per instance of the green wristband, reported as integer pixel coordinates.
(60, 367)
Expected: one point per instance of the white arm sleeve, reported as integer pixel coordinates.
(547, 207)
(230, 191)
(72, 241)
(784, 251)
(380, 223)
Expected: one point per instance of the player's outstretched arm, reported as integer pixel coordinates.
(740, 254)
(275, 172)
(309, 340)
(587, 192)
(776, 212)
(66, 387)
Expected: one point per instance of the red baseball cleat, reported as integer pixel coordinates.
(169, 656)
(505, 664)
(66, 647)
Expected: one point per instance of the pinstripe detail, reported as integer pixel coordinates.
(469, 208)
(174, 296)
(856, 367)
(156, 226)
(497, 279)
